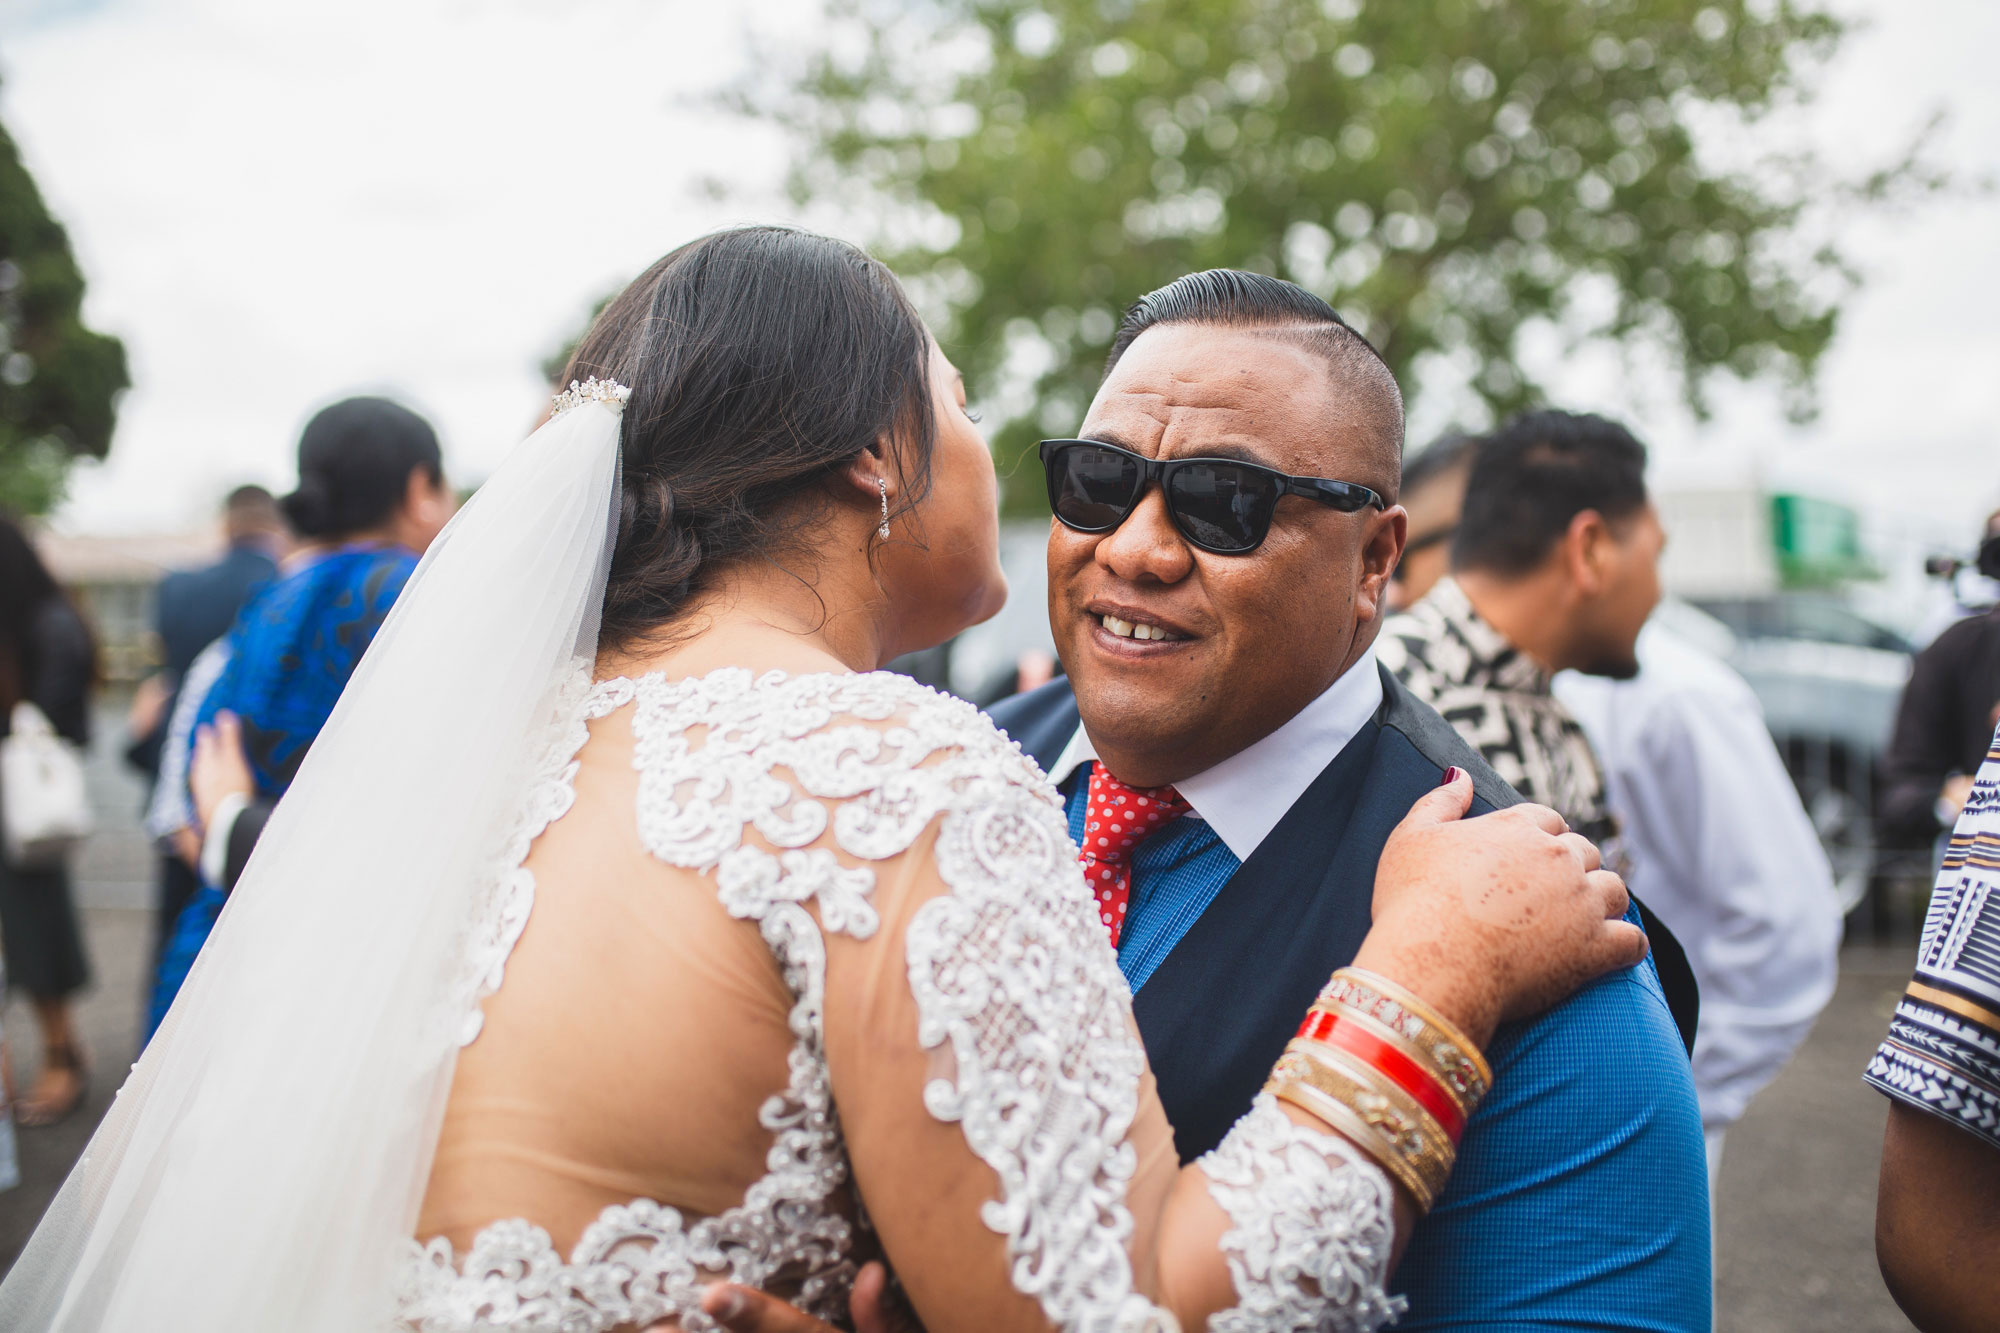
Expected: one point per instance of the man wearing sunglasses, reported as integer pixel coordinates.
(1226, 528)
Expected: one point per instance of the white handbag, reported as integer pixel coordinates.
(44, 809)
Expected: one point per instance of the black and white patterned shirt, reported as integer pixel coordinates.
(1942, 1054)
(1498, 698)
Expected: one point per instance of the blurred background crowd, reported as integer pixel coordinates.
(334, 254)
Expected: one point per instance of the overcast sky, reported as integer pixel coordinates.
(279, 203)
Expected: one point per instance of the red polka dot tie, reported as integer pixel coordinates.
(1116, 819)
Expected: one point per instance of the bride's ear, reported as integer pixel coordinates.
(868, 477)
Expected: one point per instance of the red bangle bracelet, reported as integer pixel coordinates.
(1406, 1073)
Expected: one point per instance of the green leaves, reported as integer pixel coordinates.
(59, 381)
(1443, 171)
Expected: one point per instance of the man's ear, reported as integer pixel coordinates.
(1588, 551)
(1381, 549)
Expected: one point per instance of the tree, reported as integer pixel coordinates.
(1446, 172)
(59, 381)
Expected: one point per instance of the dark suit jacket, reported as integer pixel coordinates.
(197, 606)
(1218, 1012)
(192, 609)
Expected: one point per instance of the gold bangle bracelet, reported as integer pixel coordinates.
(1356, 1131)
(1458, 1057)
(1411, 1129)
(1400, 1130)
(1423, 1121)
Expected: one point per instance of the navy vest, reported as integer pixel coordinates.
(1217, 1014)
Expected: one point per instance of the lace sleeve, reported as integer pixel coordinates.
(1012, 976)
(1048, 1066)
(991, 1090)
(1311, 1229)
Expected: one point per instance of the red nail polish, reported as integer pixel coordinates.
(1451, 775)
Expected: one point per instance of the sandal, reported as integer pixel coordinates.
(33, 1113)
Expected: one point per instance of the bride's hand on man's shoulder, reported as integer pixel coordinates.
(1497, 917)
(747, 1310)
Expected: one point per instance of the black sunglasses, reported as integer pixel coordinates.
(1219, 504)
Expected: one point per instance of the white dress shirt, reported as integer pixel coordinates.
(1721, 848)
(1245, 795)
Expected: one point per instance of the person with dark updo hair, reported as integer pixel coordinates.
(370, 500)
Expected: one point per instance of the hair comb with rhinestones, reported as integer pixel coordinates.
(593, 390)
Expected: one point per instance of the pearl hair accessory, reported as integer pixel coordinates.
(593, 390)
(883, 486)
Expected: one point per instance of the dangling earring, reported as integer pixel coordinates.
(883, 486)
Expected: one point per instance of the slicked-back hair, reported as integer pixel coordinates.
(1229, 296)
(1236, 298)
(1533, 476)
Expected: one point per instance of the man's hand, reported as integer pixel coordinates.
(218, 768)
(745, 1310)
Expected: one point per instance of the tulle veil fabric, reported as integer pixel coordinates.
(263, 1165)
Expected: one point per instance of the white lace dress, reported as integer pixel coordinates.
(791, 793)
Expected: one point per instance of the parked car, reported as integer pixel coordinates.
(1829, 680)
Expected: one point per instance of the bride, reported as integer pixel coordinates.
(625, 931)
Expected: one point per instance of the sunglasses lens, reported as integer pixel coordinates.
(1222, 507)
(1091, 488)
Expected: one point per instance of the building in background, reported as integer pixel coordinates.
(114, 580)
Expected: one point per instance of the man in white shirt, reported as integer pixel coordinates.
(1717, 842)
(1721, 848)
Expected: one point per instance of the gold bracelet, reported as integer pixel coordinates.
(1410, 1127)
(1352, 1127)
(1423, 1181)
(1402, 1135)
(1456, 1057)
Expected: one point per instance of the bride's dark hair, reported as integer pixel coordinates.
(761, 360)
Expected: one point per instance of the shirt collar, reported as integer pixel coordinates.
(1245, 795)
(1488, 661)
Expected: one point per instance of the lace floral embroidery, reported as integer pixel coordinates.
(643, 1261)
(502, 914)
(1312, 1229)
(1048, 1069)
(1046, 1066)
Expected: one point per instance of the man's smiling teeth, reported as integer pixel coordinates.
(1134, 629)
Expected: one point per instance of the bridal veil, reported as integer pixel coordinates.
(263, 1165)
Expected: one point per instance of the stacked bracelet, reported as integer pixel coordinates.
(1454, 1056)
(1378, 1064)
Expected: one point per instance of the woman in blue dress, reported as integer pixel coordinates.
(371, 498)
